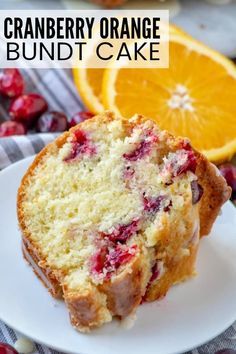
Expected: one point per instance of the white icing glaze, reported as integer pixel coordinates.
(161, 269)
(195, 237)
(129, 321)
(24, 345)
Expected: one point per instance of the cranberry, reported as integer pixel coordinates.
(80, 136)
(27, 108)
(155, 272)
(143, 148)
(105, 261)
(197, 192)
(12, 128)
(123, 232)
(11, 83)
(154, 204)
(80, 117)
(80, 145)
(52, 122)
(190, 163)
(184, 144)
(141, 151)
(226, 351)
(98, 260)
(228, 171)
(119, 256)
(182, 162)
(7, 349)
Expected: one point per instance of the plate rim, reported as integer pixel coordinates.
(44, 343)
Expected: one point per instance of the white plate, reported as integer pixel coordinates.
(191, 314)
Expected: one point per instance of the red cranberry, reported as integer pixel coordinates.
(155, 272)
(182, 162)
(141, 151)
(119, 256)
(123, 232)
(80, 117)
(7, 349)
(52, 122)
(197, 192)
(184, 144)
(106, 261)
(80, 136)
(80, 145)
(228, 171)
(11, 83)
(12, 128)
(27, 108)
(154, 204)
(143, 148)
(98, 260)
(190, 163)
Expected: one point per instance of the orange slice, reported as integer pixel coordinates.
(195, 97)
(89, 82)
(89, 85)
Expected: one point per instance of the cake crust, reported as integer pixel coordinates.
(126, 292)
(216, 193)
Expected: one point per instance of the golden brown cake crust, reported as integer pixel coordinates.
(123, 295)
(216, 193)
(126, 292)
(178, 271)
(44, 274)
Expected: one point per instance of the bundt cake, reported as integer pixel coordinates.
(111, 214)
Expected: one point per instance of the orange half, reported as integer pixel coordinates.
(89, 82)
(195, 97)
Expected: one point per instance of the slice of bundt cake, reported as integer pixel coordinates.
(111, 214)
